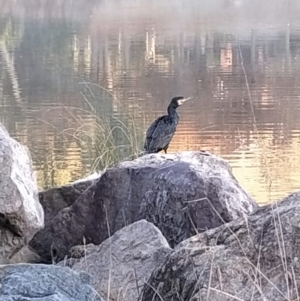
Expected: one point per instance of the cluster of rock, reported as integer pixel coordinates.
(175, 227)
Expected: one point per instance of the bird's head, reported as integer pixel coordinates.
(179, 100)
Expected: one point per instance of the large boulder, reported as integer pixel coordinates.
(121, 265)
(21, 214)
(182, 194)
(253, 258)
(31, 282)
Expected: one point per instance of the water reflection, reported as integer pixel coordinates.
(81, 82)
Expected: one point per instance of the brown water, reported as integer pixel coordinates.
(80, 82)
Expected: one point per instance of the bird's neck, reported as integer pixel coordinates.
(172, 112)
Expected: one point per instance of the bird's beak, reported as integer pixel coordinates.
(181, 101)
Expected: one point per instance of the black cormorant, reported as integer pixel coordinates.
(161, 131)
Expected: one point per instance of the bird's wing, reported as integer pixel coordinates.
(159, 133)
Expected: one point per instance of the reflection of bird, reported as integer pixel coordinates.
(161, 131)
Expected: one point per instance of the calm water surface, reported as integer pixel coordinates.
(80, 82)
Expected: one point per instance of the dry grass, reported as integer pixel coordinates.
(258, 273)
(105, 136)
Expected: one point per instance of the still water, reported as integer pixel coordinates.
(80, 82)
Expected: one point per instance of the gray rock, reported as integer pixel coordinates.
(74, 225)
(55, 199)
(76, 253)
(21, 214)
(25, 255)
(182, 194)
(251, 259)
(31, 282)
(123, 263)
(10, 244)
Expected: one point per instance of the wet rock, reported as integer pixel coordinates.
(182, 194)
(26, 282)
(251, 258)
(21, 214)
(123, 263)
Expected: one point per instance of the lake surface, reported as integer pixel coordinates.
(80, 82)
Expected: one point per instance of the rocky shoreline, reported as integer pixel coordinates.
(161, 227)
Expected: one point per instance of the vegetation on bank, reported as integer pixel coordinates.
(104, 134)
